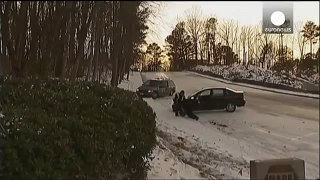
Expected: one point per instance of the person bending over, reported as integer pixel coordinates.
(187, 107)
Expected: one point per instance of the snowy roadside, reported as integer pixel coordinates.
(165, 164)
(206, 155)
(220, 145)
(260, 87)
(199, 146)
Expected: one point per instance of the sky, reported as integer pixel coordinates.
(245, 12)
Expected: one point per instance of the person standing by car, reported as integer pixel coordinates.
(175, 104)
(181, 100)
(182, 97)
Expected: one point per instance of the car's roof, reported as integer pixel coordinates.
(208, 88)
(160, 79)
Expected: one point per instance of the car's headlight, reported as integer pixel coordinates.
(149, 91)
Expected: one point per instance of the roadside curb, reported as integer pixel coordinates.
(248, 86)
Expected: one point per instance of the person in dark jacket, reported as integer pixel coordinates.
(175, 105)
(182, 97)
(186, 105)
(181, 100)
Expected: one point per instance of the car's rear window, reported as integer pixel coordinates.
(153, 83)
(171, 83)
(217, 92)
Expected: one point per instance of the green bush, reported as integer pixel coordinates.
(57, 130)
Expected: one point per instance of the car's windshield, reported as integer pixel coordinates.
(195, 93)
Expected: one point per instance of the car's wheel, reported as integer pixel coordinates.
(154, 96)
(231, 107)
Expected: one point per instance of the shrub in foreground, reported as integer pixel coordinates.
(59, 130)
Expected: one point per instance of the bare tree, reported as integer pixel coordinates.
(194, 26)
(228, 31)
(311, 32)
(245, 38)
(71, 39)
(210, 31)
(238, 43)
(266, 48)
(250, 36)
(300, 39)
(256, 45)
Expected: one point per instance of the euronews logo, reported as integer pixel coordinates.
(277, 18)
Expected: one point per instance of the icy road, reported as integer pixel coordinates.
(221, 144)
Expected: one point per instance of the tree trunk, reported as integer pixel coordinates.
(65, 50)
(208, 51)
(5, 63)
(114, 51)
(81, 36)
(96, 55)
(201, 57)
(196, 50)
(310, 46)
(20, 46)
(80, 56)
(90, 59)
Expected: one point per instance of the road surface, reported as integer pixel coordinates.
(262, 101)
(271, 125)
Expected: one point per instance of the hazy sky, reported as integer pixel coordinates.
(245, 12)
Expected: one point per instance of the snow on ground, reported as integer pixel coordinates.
(222, 144)
(259, 74)
(165, 164)
(199, 146)
(261, 87)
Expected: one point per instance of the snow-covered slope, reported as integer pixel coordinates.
(166, 165)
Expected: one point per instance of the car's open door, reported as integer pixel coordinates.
(203, 99)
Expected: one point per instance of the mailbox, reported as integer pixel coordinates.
(277, 169)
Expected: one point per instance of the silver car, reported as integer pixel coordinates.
(157, 88)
